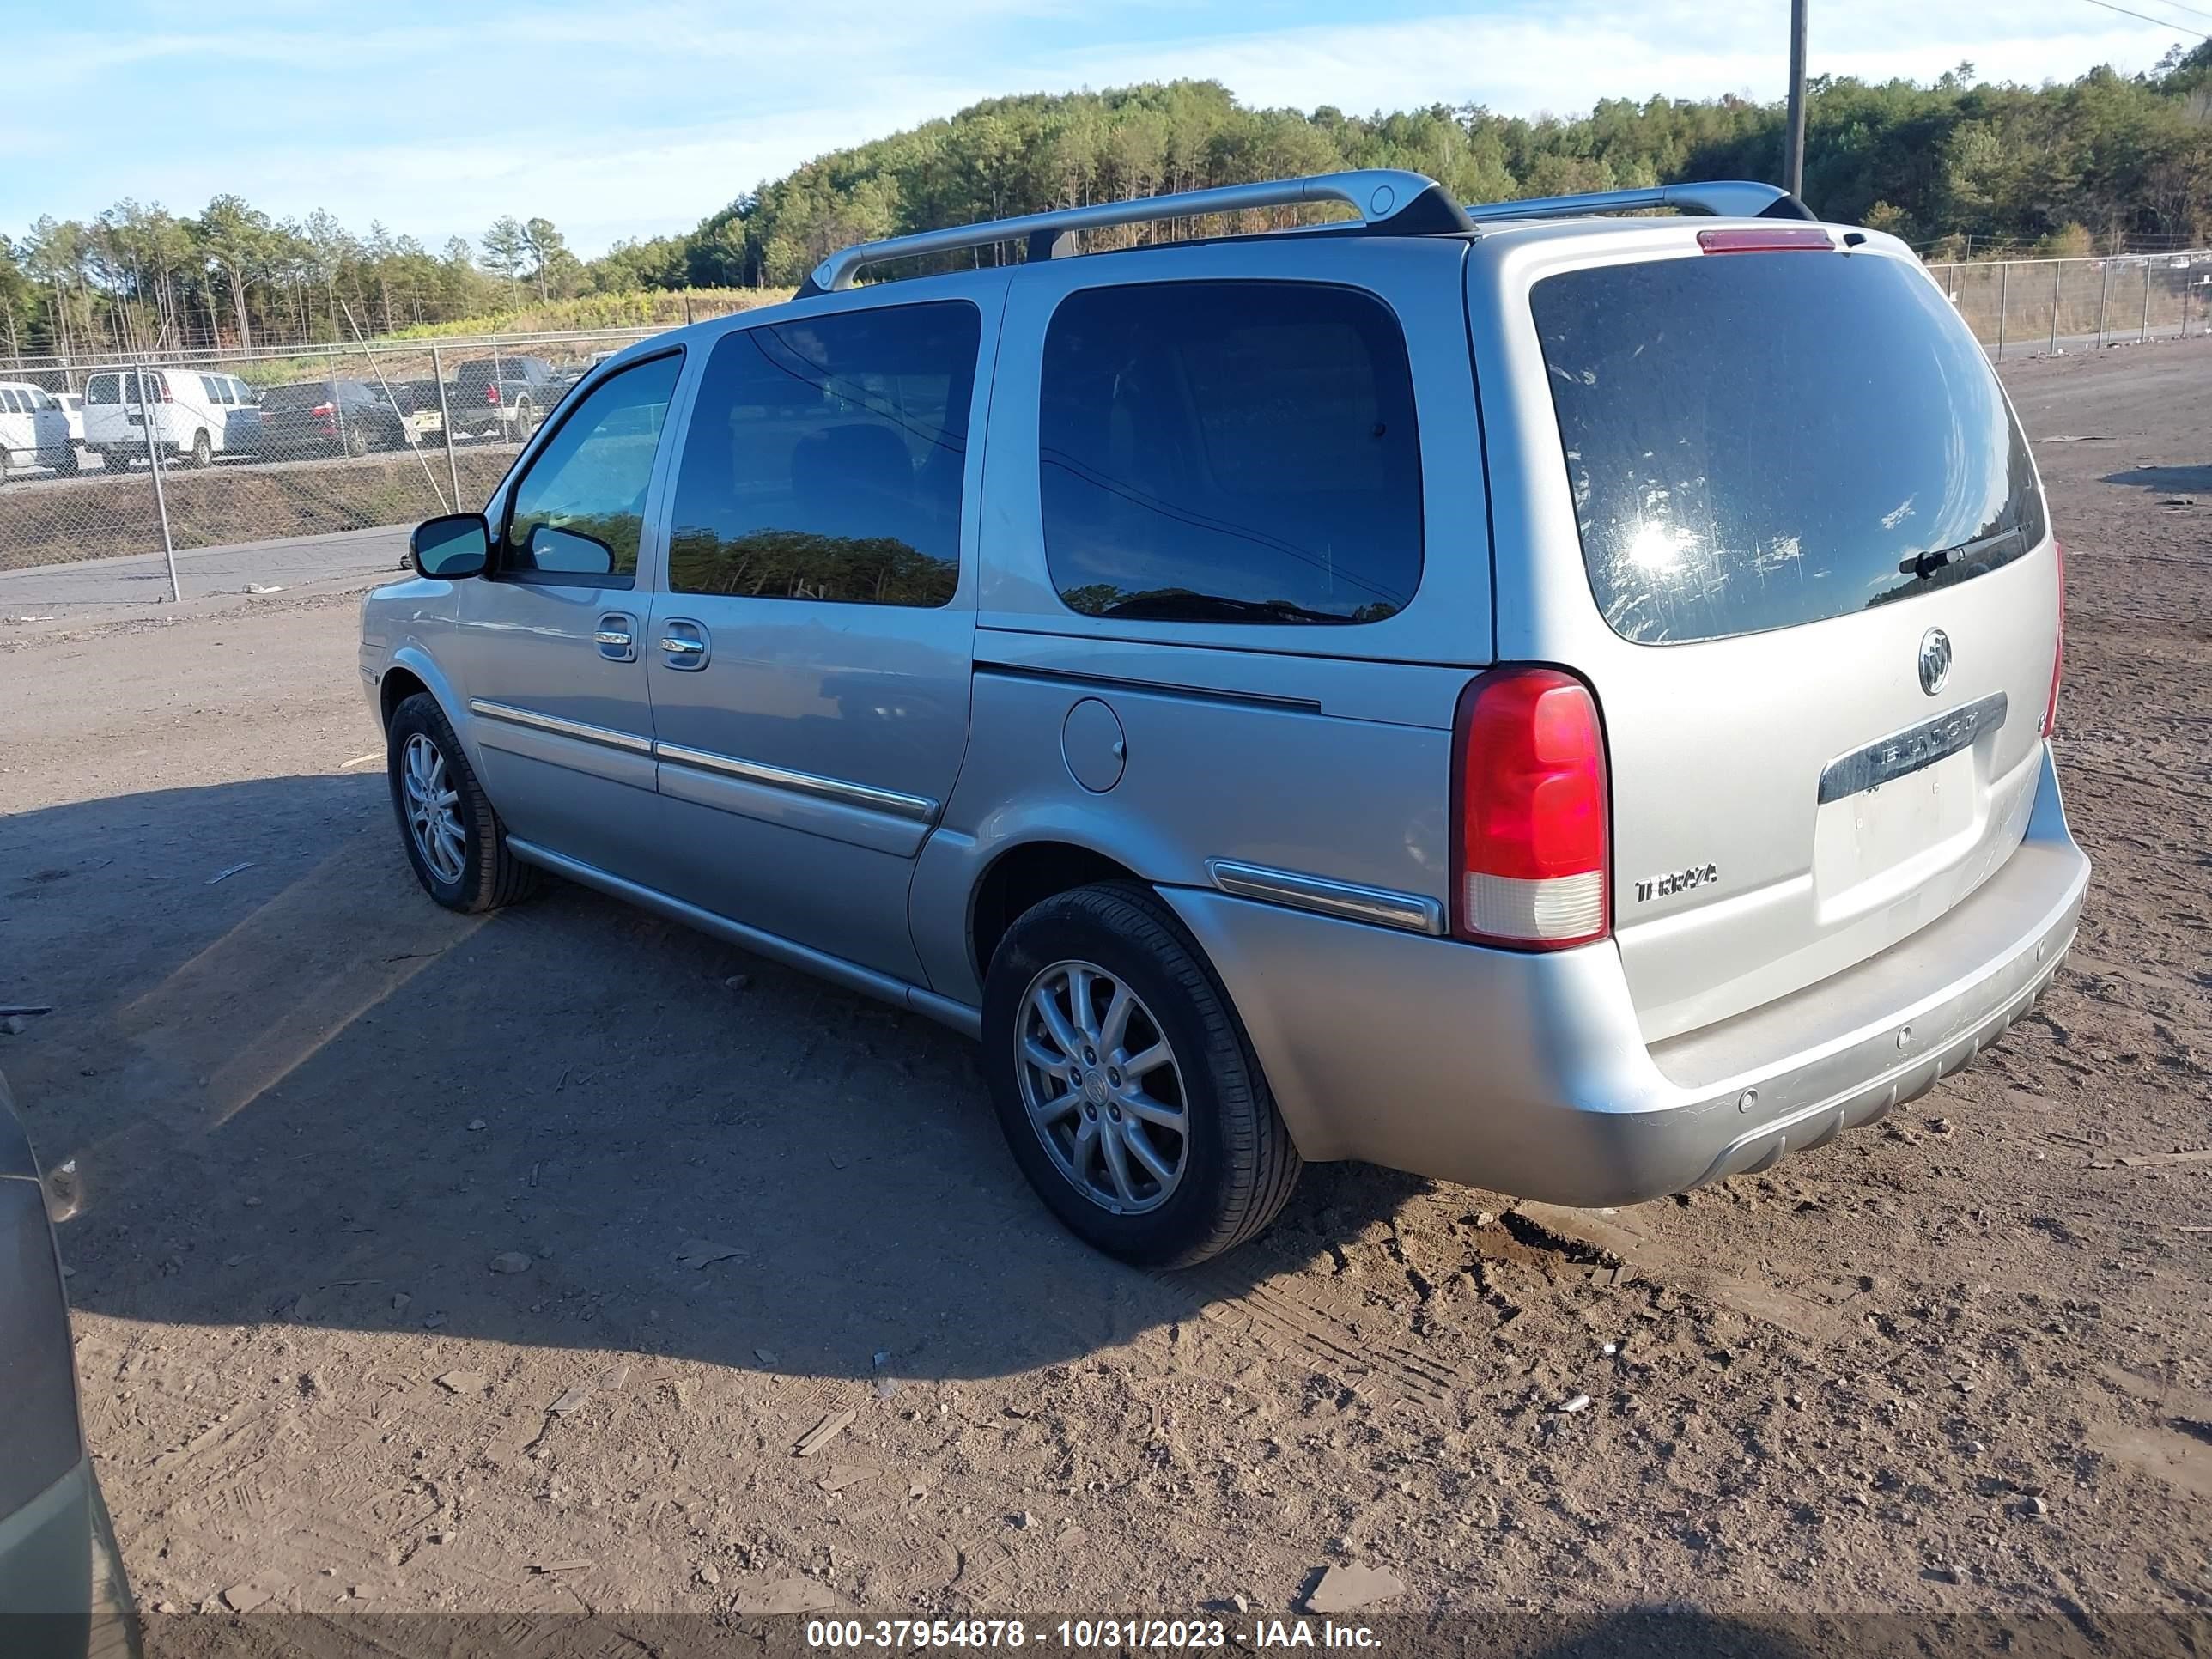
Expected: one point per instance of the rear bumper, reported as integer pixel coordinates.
(1528, 1073)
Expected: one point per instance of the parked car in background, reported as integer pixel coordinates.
(195, 416)
(502, 397)
(329, 417)
(418, 405)
(63, 1593)
(35, 430)
(1563, 706)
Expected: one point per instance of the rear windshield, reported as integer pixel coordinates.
(1756, 440)
(308, 395)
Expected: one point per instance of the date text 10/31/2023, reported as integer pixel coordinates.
(1084, 1635)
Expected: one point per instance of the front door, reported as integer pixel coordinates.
(811, 651)
(552, 642)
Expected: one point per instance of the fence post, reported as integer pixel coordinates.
(2004, 281)
(2104, 293)
(2057, 270)
(161, 496)
(2144, 333)
(446, 424)
(2185, 307)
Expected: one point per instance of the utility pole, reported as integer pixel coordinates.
(1793, 154)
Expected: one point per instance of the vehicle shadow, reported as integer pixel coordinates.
(293, 1089)
(2170, 479)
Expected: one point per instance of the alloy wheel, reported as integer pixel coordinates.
(431, 798)
(1102, 1088)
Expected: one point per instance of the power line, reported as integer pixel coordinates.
(2192, 11)
(2162, 22)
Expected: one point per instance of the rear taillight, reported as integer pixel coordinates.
(1775, 238)
(491, 392)
(1529, 851)
(2058, 646)
(324, 410)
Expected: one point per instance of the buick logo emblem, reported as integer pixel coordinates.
(1935, 661)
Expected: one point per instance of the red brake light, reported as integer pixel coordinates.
(2059, 646)
(325, 410)
(491, 392)
(1530, 850)
(1777, 238)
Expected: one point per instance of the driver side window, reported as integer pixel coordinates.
(577, 514)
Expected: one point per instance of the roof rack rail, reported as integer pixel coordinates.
(1389, 202)
(1724, 198)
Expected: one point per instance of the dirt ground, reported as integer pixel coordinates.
(1954, 1365)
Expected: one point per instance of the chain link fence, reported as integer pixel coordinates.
(124, 480)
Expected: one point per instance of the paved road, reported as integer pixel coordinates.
(96, 587)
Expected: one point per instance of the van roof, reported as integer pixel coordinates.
(1389, 203)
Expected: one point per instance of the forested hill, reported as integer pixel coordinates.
(2068, 167)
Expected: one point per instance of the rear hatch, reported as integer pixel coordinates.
(1826, 603)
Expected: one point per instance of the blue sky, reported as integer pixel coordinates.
(630, 118)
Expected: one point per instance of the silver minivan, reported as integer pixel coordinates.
(1556, 703)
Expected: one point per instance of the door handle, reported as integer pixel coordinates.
(617, 637)
(683, 644)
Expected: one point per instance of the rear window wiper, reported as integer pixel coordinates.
(1922, 566)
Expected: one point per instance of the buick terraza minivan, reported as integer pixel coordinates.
(1549, 702)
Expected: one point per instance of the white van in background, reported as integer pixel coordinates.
(196, 416)
(35, 430)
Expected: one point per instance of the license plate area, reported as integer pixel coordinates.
(1895, 812)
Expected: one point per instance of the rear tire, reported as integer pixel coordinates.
(203, 452)
(453, 837)
(1165, 1161)
(6, 466)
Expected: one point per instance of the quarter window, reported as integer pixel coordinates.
(825, 459)
(1230, 452)
(579, 512)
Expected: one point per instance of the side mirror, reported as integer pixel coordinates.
(449, 549)
(569, 552)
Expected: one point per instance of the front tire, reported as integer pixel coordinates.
(454, 838)
(1125, 1084)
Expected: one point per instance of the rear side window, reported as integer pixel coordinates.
(104, 389)
(1230, 452)
(1758, 440)
(825, 459)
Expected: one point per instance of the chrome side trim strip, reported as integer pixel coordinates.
(605, 736)
(868, 982)
(919, 808)
(1381, 905)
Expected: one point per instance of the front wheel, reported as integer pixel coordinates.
(1125, 1084)
(455, 840)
